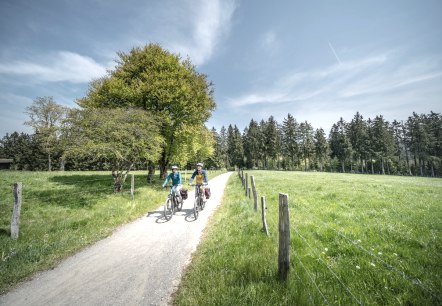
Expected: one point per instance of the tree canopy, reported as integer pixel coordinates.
(160, 82)
(119, 137)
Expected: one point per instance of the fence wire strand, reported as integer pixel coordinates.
(412, 280)
(313, 281)
(328, 267)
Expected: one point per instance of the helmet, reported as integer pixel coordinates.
(174, 167)
(199, 164)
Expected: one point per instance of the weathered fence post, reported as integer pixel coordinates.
(15, 220)
(284, 237)
(255, 195)
(132, 186)
(247, 182)
(264, 220)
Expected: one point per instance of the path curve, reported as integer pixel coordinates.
(141, 263)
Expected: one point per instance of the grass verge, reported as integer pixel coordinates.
(355, 239)
(63, 212)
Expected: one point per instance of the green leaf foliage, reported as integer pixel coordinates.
(159, 82)
(119, 137)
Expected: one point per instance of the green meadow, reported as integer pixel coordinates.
(355, 239)
(63, 212)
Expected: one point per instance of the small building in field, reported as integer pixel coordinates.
(5, 163)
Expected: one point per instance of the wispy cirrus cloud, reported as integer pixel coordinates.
(60, 66)
(362, 77)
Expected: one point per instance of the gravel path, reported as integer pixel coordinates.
(139, 264)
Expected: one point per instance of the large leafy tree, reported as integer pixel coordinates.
(118, 137)
(46, 117)
(162, 83)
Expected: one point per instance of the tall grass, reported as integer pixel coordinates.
(355, 239)
(62, 212)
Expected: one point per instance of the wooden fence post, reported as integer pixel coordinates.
(255, 195)
(132, 186)
(15, 220)
(284, 237)
(264, 220)
(247, 182)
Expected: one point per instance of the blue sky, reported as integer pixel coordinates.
(317, 60)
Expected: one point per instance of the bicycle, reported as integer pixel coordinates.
(199, 203)
(173, 202)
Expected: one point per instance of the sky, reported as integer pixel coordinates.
(317, 60)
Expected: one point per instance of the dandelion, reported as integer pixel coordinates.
(372, 264)
(326, 249)
(357, 267)
(379, 253)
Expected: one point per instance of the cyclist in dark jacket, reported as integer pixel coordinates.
(177, 183)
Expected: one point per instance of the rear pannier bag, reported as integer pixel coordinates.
(207, 192)
(183, 193)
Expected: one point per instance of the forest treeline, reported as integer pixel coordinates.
(411, 147)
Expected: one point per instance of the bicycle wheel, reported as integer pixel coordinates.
(180, 203)
(168, 209)
(203, 203)
(195, 208)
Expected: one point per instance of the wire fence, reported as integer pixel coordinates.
(355, 243)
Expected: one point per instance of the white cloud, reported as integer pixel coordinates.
(59, 67)
(210, 22)
(384, 84)
(367, 76)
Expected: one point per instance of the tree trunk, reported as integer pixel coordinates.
(163, 165)
(120, 177)
(150, 171)
(388, 168)
(49, 162)
(432, 169)
(62, 164)
(408, 162)
(382, 165)
(343, 166)
(372, 168)
(421, 167)
(415, 164)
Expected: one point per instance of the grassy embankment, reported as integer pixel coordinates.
(62, 212)
(354, 239)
